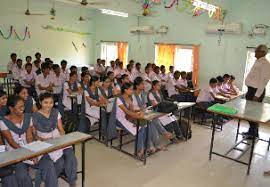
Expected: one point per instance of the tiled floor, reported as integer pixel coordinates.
(185, 164)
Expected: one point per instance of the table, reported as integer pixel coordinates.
(23, 154)
(249, 111)
(233, 97)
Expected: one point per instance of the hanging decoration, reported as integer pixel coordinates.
(185, 6)
(12, 30)
(84, 45)
(75, 47)
(60, 29)
(174, 2)
(147, 5)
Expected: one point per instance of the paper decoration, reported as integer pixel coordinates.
(174, 2)
(75, 47)
(60, 29)
(12, 30)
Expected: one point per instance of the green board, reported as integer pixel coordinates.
(222, 109)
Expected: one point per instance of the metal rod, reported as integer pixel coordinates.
(213, 137)
(237, 133)
(251, 154)
(230, 158)
(83, 163)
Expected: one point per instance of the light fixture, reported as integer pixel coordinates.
(114, 13)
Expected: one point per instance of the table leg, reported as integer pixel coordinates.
(188, 123)
(213, 136)
(136, 138)
(145, 144)
(83, 163)
(72, 104)
(237, 133)
(251, 154)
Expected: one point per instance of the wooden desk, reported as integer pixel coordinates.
(22, 154)
(249, 111)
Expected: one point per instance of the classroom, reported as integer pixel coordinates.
(137, 93)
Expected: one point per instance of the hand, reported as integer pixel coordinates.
(140, 115)
(256, 99)
(35, 160)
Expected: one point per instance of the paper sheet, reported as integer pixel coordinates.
(37, 146)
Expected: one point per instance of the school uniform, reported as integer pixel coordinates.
(63, 159)
(65, 74)
(16, 73)
(28, 104)
(170, 75)
(3, 111)
(66, 100)
(130, 76)
(169, 121)
(99, 69)
(163, 78)
(43, 81)
(92, 111)
(58, 82)
(171, 87)
(136, 74)
(25, 76)
(147, 85)
(205, 99)
(186, 96)
(45, 168)
(11, 65)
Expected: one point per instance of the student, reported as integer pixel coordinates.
(106, 90)
(28, 78)
(93, 101)
(16, 128)
(123, 108)
(130, 73)
(184, 90)
(71, 87)
(232, 87)
(206, 97)
(116, 89)
(147, 78)
(189, 80)
(12, 63)
(139, 98)
(219, 89)
(137, 71)
(85, 80)
(44, 80)
(99, 68)
(121, 69)
(48, 125)
(38, 58)
(171, 72)
(75, 70)
(29, 102)
(58, 80)
(111, 67)
(173, 87)
(47, 59)
(28, 59)
(64, 69)
(169, 121)
(36, 67)
(183, 83)
(3, 103)
(17, 71)
(163, 76)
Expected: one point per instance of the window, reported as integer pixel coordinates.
(249, 63)
(113, 50)
(181, 57)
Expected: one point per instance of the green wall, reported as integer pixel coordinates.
(184, 29)
(56, 45)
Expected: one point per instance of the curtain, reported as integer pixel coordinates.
(123, 52)
(195, 73)
(165, 55)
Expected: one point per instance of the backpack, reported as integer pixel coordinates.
(166, 107)
(185, 129)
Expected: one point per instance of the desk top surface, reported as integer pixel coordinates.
(249, 110)
(22, 154)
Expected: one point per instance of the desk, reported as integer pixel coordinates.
(22, 154)
(232, 97)
(249, 111)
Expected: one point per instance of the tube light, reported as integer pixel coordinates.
(114, 13)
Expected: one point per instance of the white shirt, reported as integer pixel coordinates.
(65, 74)
(58, 82)
(99, 68)
(147, 85)
(27, 76)
(205, 95)
(16, 72)
(15, 136)
(11, 65)
(171, 87)
(43, 81)
(259, 75)
(170, 75)
(183, 83)
(66, 99)
(135, 102)
(163, 78)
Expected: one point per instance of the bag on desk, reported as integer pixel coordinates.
(166, 107)
(185, 129)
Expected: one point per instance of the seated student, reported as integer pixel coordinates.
(12, 63)
(28, 59)
(48, 125)
(29, 102)
(17, 71)
(106, 90)
(233, 88)
(36, 67)
(38, 58)
(129, 72)
(169, 121)
(85, 80)
(132, 64)
(3, 103)
(225, 86)
(120, 70)
(75, 70)
(147, 78)
(58, 80)
(71, 87)
(163, 76)
(64, 69)
(174, 88)
(28, 79)
(84, 69)
(137, 71)
(184, 90)
(44, 81)
(16, 128)
(99, 68)
(112, 66)
(122, 114)
(219, 89)
(156, 74)
(139, 98)
(206, 97)
(189, 80)
(93, 101)
(171, 72)
(116, 90)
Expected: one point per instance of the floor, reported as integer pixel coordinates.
(185, 164)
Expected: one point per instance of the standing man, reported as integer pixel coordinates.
(256, 82)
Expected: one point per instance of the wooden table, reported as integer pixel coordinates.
(23, 154)
(249, 111)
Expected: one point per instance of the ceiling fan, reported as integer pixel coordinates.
(28, 13)
(88, 3)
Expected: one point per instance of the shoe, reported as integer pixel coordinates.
(249, 136)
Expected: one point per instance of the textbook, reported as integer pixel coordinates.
(223, 109)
